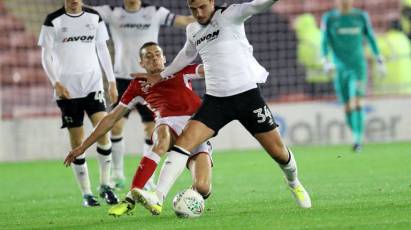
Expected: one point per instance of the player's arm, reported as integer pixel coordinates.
(166, 18)
(185, 57)
(372, 42)
(105, 60)
(327, 65)
(181, 21)
(324, 36)
(369, 33)
(48, 57)
(105, 125)
(241, 12)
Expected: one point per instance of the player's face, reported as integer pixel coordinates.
(152, 59)
(73, 5)
(132, 3)
(345, 4)
(202, 10)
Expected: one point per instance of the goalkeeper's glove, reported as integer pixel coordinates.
(328, 67)
(381, 70)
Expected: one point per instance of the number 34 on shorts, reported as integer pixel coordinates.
(263, 114)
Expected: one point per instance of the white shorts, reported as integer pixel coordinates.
(177, 124)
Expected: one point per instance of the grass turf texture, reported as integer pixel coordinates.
(370, 190)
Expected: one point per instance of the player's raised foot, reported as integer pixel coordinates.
(108, 195)
(301, 196)
(90, 201)
(357, 148)
(148, 199)
(122, 208)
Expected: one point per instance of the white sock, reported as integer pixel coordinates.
(117, 153)
(104, 160)
(290, 170)
(172, 168)
(80, 171)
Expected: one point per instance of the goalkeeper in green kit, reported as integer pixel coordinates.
(344, 30)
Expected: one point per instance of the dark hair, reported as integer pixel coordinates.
(147, 44)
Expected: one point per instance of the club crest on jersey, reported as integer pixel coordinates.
(90, 27)
(84, 38)
(208, 37)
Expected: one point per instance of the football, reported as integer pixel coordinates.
(188, 204)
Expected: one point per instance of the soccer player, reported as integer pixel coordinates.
(344, 30)
(132, 25)
(73, 41)
(173, 102)
(231, 75)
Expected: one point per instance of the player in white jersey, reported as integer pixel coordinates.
(73, 41)
(231, 74)
(131, 26)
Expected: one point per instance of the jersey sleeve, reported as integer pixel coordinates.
(185, 57)
(166, 17)
(102, 34)
(47, 34)
(132, 95)
(240, 12)
(324, 36)
(105, 12)
(369, 33)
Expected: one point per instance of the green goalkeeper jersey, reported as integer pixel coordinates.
(344, 34)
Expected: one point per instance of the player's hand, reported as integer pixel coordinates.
(328, 67)
(148, 80)
(73, 154)
(381, 70)
(61, 91)
(112, 92)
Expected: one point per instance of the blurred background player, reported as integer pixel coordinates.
(231, 92)
(73, 41)
(132, 25)
(174, 103)
(344, 29)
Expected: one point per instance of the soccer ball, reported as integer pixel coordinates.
(188, 204)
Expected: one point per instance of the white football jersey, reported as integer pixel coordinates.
(73, 39)
(130, 30)
(229, 64)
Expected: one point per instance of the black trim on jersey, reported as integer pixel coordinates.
(165, 21)
(92, 11)
(50, 17)
(112, 7)
(172, 20)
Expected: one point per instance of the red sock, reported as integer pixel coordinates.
(143, 173)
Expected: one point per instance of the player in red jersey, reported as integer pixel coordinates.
(172, 102)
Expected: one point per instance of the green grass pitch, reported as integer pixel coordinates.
(370, 190)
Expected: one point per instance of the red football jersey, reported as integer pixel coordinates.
(172, 97)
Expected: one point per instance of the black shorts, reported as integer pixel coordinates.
(145, 113)
(72, 110)
(248, 108)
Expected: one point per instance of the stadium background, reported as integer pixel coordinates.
(307, 111)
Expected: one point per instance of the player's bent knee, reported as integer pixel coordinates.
(161, 146)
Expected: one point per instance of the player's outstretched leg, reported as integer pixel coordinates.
(272, 143)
